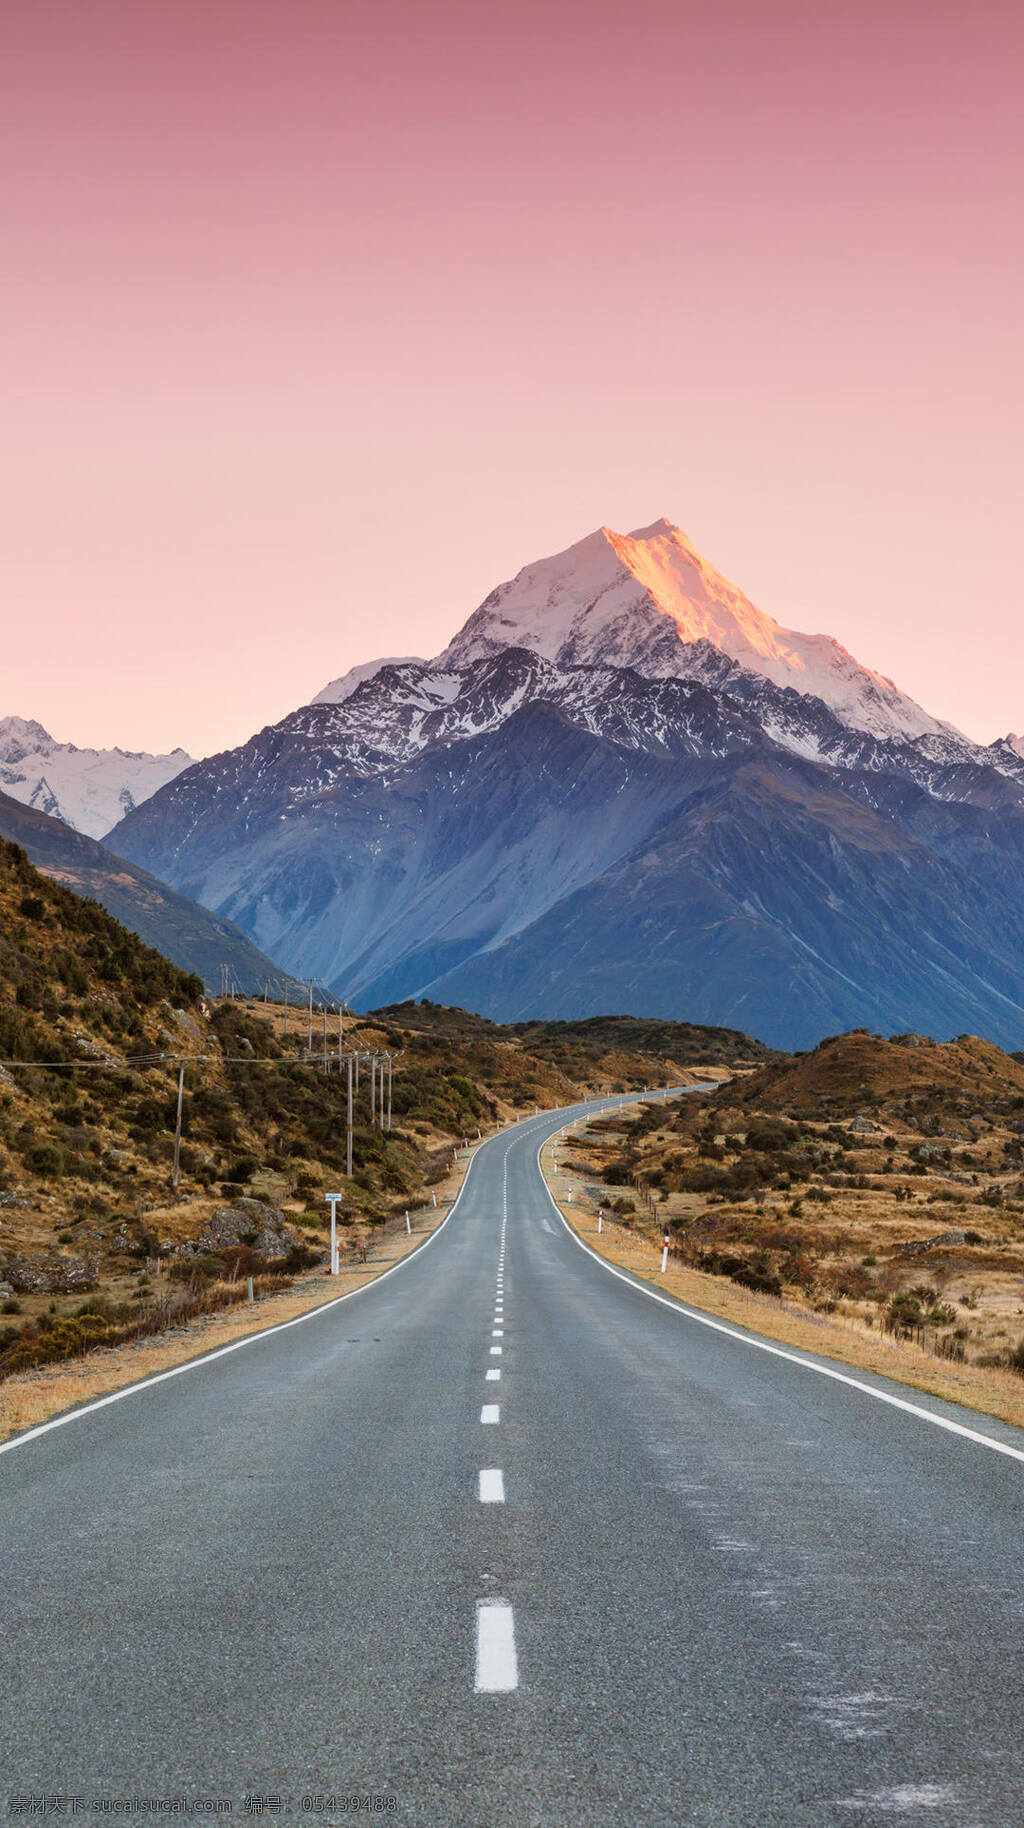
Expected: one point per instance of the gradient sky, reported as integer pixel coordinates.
(322, 318)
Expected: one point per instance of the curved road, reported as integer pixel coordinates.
(509, 1541)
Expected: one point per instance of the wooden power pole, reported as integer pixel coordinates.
(348, 1128)
(177, 1128)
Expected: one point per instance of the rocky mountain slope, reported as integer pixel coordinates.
(191, 937)
(560, 834)
(88, 789)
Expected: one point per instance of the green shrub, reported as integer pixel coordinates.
(45, 1159)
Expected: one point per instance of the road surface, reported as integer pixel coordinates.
(506, 1540)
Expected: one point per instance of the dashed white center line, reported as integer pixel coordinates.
(496, 1667)
(492, 1485)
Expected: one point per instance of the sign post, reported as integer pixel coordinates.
(332, 1200)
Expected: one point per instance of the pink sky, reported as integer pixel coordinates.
(322, 318)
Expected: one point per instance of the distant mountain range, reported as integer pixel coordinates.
(621, 787)
(88, 789)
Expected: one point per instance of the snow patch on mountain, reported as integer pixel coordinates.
(647, 600)
(88, 789)
(339, 689)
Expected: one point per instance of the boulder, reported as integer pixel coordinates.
(917, 1246)
(247, 1222)
(48, 1273)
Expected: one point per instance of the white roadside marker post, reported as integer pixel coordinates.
(332, 1200)
(664, 1256)
(600, 1220)
(408, 1225)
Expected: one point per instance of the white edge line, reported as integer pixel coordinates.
(792, 1358)
(251, 1339)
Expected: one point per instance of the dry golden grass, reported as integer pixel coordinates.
(36, 1396)
(968, 1072)
(991, 1390)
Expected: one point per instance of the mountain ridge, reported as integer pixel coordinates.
(193, 938)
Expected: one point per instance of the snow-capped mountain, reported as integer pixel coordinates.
(621, 787)
(645, 600)
(89, 789)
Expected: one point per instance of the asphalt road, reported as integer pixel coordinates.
(699, 1582)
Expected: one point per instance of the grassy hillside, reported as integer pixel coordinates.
(909, 1077)
(637, 1051)
(882, 1179)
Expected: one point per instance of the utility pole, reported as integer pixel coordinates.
(309, 1040)
(266, 992)
(373, 1090)
(348, 1128)
(324, 1013)
(177, 1128)
(389, 1091)
(340, 1038)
